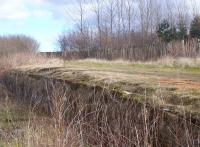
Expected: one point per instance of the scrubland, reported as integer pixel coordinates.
(51, 102)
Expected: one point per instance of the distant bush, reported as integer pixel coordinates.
(16, 44)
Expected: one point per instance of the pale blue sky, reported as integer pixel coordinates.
(44, 20)
(45, 30)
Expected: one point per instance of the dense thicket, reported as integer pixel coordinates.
(17, 43)
(133, 29)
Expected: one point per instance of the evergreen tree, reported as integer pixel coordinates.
(195, 27)
(166, 32)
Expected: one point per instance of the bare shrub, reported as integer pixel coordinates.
(95, 116)
(16, 44)
(15, 60)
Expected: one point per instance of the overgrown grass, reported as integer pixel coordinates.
(166, 61)
(26, 59)
(90, 111)
(22, 125)
(188, 65)
(94, 116)
(130, 79)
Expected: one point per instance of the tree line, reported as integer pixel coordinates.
(133, 29)
(169, 33)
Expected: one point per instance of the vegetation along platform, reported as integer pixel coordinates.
(175, 89)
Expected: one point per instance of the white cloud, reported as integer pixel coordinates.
(22, 9)
(13, 10)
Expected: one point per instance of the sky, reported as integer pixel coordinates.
(43, 20)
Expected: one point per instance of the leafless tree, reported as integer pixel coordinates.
(126, 28)
(146, 11)
(97, 9)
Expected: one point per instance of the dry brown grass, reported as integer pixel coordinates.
(92, 116)
(165, 61)
(26, 59)
(21, 125)
(178, 62)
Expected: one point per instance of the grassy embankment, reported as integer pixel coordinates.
(172, 86)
